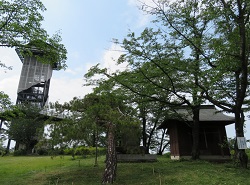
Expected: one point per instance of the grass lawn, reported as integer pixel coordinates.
(64, 171)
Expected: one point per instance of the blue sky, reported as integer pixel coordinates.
(87, 28)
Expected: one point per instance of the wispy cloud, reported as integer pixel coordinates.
(142, 18)
(110, 58)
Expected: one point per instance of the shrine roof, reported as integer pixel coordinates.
(207, 113)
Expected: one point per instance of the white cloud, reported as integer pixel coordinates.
(109, 61)
(10, 78)
(9, 86)
(71, 71)
(142, 18)
(64, 89)
(110, 58)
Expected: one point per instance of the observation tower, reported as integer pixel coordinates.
(34, 84)
(35, 79)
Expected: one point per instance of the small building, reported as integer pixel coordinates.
(212, 134)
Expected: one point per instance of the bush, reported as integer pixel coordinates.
(2, 151)
(42, 151)
(20, 152)
(168, 155)
(248, 152)
(84, 151)
(55, 151)
(69, 151)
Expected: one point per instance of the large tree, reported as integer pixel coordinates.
(150, 113)
(227, 82)
(172, 52)
(21, 27)
(108, 109)
(216, 35)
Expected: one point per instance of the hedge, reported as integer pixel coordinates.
(83, 150)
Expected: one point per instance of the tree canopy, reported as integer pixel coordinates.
(26, 126)
(21, 27)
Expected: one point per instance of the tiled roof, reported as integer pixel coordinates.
(207, 113)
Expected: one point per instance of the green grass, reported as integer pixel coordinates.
(64, 171)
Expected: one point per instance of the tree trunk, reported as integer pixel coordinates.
(1, 124)
(144, 135)
(195, 134)
(96, 148)
(111, 158)
(242, 76)
(16, 146)
(161, 148)
(8, 147)
(94, 139)
(240, 154)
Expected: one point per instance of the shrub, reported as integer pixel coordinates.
(84, 151)
(42, 151)
(69, 151)
(20, 152)
(248, 152)
(2, 151)
(168, 154)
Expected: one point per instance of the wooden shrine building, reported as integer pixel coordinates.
(212, 134)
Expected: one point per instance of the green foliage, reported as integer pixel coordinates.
(102, 108)
(135, 90)
(69, 151)
(85, 123)
(20, 25)
(42, 151)
(20, 152)
(248, 152)
(84, 151)
(20, 21)
(75, 129)
(5, 101)
(26, 126)
(167, 155)
(128, 139)
(5, 110)
(2, 148)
